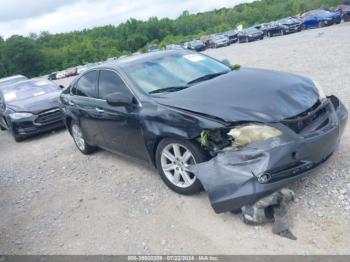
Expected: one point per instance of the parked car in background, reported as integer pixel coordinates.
(152, 48)
(52, 76)
(186, 45)
(344, 12)
(250, 34)
(173, 47)
(81, 69)
(12, 79)
(232, 36)
(205, 40)
(291, 24)
(197, 45)
(262, 27)
(61, 74)
(30, 107)
(238, 134)
(319, 18)
(271, 29)
(71, 72)
(219, 40)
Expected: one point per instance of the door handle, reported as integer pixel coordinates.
(99, 110)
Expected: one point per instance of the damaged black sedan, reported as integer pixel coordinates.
(240, 134)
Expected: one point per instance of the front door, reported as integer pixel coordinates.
(120, 125)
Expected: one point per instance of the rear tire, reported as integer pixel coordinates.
(79, 139)
(172, 159)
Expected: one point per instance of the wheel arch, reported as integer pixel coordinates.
(155, 143)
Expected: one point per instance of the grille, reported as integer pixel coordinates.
(49, 117)
(300, 122)
(294, 169)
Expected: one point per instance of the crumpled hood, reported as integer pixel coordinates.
(37, 104)
(247, 95)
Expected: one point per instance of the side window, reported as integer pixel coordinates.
(109, 83)
(86, 85)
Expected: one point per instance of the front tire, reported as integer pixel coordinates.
(79, 139)
(17, 137)
(173, 158)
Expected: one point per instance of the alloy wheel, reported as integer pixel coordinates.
(175, 160)
(78, 137)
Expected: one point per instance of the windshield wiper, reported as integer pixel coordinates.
(205, 77)
(168, 89)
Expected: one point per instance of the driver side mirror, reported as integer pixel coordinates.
(118, 99)
(226, 62)
(61, 86)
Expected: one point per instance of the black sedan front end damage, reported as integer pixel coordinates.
(240, 175)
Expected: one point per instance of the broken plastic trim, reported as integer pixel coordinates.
(236, 177)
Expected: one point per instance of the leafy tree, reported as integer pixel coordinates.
(22, 55)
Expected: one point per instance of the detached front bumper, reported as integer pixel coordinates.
(238, 177)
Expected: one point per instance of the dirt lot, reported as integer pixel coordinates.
(54, 200)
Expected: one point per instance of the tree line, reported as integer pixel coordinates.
(40, 54)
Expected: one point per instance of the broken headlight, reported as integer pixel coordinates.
(320, 91)
(247, 134)
(20, 115)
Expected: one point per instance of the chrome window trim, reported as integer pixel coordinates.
(107, 69)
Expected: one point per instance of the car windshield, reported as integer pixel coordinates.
(174, 72)
(287, 20)
(318, 12)
(27, 90)
(252, 30)
(220, 37)
(323, 12)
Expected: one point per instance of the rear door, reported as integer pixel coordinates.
(83, 104)
(2, 112)
(120, 125)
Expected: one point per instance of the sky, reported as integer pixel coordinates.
(25, 16)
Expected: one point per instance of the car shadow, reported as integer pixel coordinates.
(128, 160)
(36, 137)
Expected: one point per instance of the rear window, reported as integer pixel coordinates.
(87, 85)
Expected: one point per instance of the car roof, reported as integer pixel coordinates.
(140, 58)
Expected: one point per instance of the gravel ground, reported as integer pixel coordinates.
(55, 200)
